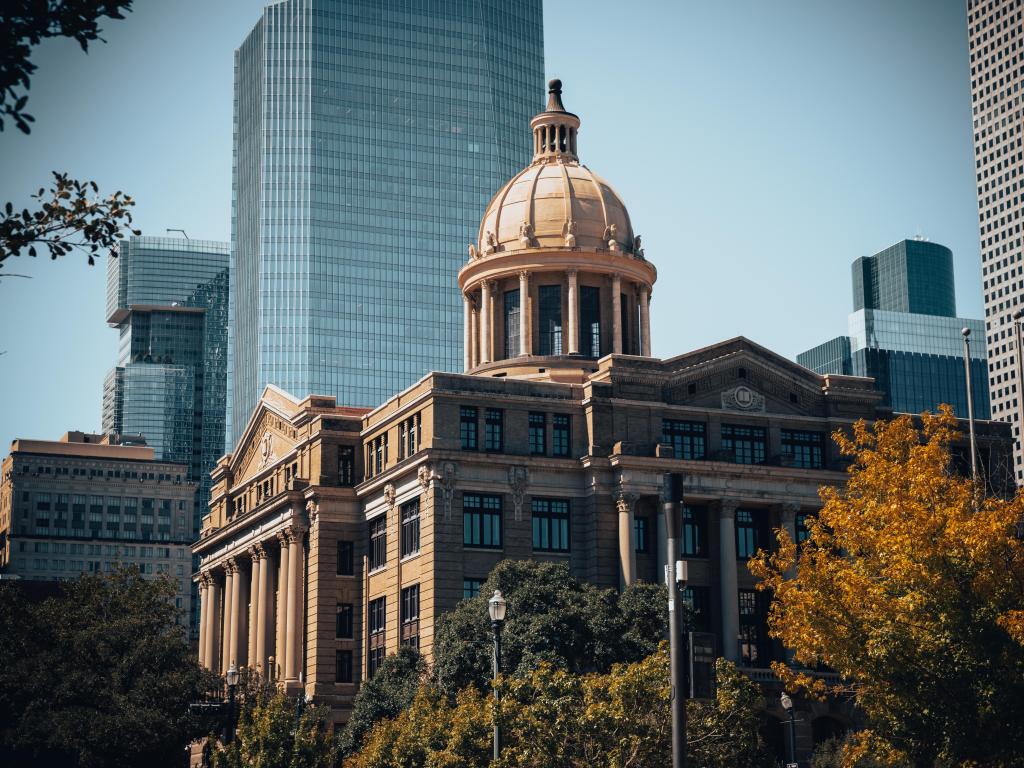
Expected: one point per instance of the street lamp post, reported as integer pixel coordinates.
(966, 333)
(787, 704)
(496, 608)
(232, 681)
(675, 578)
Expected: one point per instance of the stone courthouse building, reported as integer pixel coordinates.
(335, 534)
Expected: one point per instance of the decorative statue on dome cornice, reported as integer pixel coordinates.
(609, 237)
(570, 234)
(492, 243)
(472, 252)
(526, 234)
(638, 251)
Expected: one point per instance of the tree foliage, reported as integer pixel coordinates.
(911, 587)
(391, 690)
(559, 718)
(26, 23)
(552, 618)
(98, 676)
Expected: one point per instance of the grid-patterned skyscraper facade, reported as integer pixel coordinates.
(369, 136)
(995, 41)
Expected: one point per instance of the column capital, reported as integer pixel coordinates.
(205, 579)
(231, 565)
(788, 511)
(727, 508)
(524, 274)
(257, 551)
(572, 272)
(625, 500)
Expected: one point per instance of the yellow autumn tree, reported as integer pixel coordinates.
(911, 587)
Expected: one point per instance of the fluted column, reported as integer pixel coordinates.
(254, 599)
(263, 609)
(729, 596)
(281, 648)
(204, 604)
(486, 321)
(645, 321)
(238, 608)
(293, 659)
(525, 337)
(467, 333)
(474, 334)
(574, 312)
(228, 619)
(616, 314)
(625, 502)
(213, 591)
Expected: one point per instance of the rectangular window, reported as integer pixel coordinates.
(343, 621)
(481, 520)
(343, 666)
(687, 438)
(346, 559)
(346, 466)
(560, 439)
(590, 321)
(468, 428)
(512, 323)
(748, 444)
(748, 534)
(803, 533)
(805, 449)
(550, 316)
(494, 430)
(378, 542)
(695, 532)
(378, 632)
(753, 629)
(696, 599)
(538, 434)
(413, 434)
(471, 588)
(410, 616)
(410, 528)
(550, 525)
(640, 533)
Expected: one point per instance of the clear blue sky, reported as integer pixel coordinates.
(760, 147)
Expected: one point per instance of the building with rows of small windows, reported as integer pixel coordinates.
(89, 503)
(336, 535)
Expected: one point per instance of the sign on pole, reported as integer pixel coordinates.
(703, 682)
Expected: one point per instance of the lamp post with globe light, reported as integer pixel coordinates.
(787, 704)
(496, 609)
(232, 680)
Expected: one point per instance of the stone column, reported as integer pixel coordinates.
(227, 620)
(281, 648)
(293, 659)
(729, 596)
(625, 502)
(524, 314)
(251, 658)
(616, 314)
(212, 621)
(474, 334)
(263, 609)
(574, 312)
(204, 604)
(238, 608)
(787, 516)
(467, 333)
(486, 321)
(645, 321)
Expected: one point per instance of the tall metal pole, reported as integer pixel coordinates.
(673, 517)
(496, 626)
(792, 736)
(966, 333)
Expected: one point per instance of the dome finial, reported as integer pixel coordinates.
(555, 96)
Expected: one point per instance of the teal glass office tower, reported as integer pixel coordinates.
(904, 333)
(369, 136)
(168, 298)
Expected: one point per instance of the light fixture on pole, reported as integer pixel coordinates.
(496, 607)
(787, 704)
(675, 578)
(231, 677)
(966, 333)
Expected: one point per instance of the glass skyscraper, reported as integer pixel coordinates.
(168, 298)
(369, 136)
(904, 333)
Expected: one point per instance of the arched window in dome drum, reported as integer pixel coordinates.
(550, 319)
(512, 320)
(590, 321)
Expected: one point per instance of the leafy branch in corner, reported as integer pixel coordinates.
(26, 23)
(67, 219)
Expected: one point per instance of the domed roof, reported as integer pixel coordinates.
(556, 202)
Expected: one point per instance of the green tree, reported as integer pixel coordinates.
(391, 689)
(100, 675)
(553, 618)
(70, 215)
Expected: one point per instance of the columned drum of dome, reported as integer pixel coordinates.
(556, 278)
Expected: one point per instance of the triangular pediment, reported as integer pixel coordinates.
(270, 434)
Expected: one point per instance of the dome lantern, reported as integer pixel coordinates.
(554, 129)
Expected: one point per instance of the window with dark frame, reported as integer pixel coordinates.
(471, 588)
(640, 533)
(481, 520)
(560, 434)
(748, 534)
(550, 319)
(696, 599)
(695, 532)
(468, 427)
(410, 616)
(343, 666)
(687, 438)
(550, 524)
(346, 559)
(409, 536)
(346, 465)
(590, 321)
(378, 629)
(538, 433)
(754, 649)
(512, 320)
(494, 430)
(343, 621)
(378, 542)
(805, 448)
(803, 532)
(748, 444)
